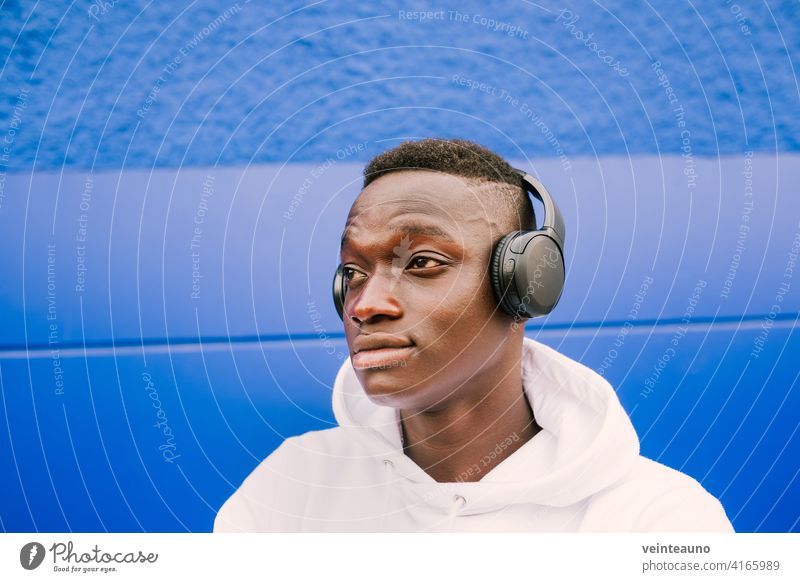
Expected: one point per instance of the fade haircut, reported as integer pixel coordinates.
(463, 158)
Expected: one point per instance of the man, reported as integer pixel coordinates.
(450, 419)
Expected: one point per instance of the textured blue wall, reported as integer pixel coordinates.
(170, 83)
(174, 179)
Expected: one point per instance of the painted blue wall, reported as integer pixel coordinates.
(174, 179)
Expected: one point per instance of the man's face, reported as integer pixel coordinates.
(420, 318)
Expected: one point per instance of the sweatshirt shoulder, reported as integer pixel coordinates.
(278, 484)
(667, 500)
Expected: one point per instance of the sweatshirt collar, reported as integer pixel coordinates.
(586, 443)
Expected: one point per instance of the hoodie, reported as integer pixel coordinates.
(581, 473)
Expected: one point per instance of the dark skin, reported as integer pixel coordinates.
(424, 331)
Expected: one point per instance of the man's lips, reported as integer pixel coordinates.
(380, 350)
(382, 358)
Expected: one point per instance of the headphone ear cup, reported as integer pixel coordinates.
(538, 274)
(339, 291)
(502, 274)
(527, 273)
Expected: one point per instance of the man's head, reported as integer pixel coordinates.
(421, 320)
(466, 159)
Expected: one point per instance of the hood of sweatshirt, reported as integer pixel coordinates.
(587, 442)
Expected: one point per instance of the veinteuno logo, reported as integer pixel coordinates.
(31, 555)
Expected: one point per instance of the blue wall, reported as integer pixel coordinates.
(174, 179)
(217, 82)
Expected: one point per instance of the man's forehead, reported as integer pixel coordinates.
(423, 203)
(396, 204)
(434, 193)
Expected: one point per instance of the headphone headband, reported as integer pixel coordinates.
(553, 222)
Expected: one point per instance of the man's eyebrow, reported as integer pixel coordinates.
(411, 230)
(426, 230)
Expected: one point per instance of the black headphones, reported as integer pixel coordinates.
(527, 266)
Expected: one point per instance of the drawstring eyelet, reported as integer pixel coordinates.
(458, 504)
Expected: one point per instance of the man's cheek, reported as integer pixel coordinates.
(476, 287)
(464, 300)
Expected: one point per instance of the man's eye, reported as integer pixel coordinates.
(423, 263)
(352, 275)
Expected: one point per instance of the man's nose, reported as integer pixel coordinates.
(375, 299)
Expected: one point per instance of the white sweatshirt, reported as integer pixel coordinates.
(581, 472)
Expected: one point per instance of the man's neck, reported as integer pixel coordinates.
(469, 437)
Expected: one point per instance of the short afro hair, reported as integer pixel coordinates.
(458, 157)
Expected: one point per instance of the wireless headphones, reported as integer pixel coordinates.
(527, 266)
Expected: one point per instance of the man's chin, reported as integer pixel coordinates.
(400, 391)
(388, 386)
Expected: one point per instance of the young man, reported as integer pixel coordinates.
(450, 419)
